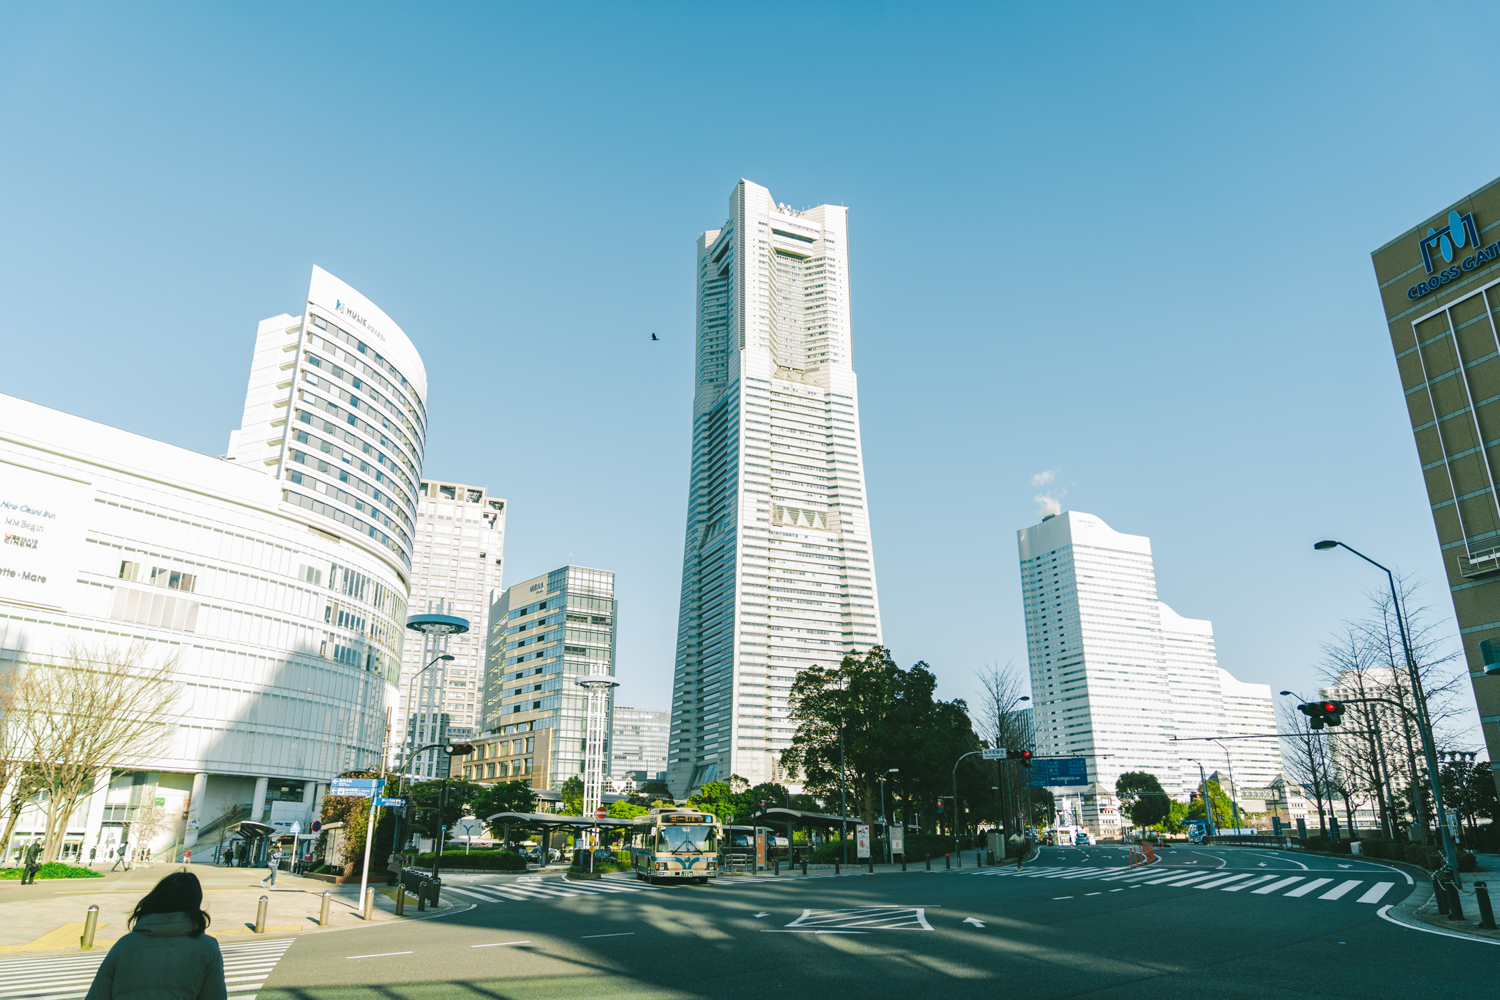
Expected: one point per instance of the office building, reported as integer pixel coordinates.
(639, 744)
(544, 634)
(1438, 286)
(281, 597)
(1116, 674)
(778, 573)
(456, 570)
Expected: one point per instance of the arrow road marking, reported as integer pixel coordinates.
(976, 923)
(762, 913)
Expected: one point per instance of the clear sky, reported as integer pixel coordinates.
(1124, 244)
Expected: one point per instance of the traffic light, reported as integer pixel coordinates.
(940, 807)
(1323, 713)
(1024, 756)
(458, 750)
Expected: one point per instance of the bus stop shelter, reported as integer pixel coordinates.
(778, 818)
(548, 823)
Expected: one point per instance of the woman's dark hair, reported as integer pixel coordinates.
(179, 892)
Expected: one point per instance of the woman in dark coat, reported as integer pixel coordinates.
(166, 953)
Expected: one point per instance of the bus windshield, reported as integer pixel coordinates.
(682, 839)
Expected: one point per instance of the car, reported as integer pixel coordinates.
(1081, 838)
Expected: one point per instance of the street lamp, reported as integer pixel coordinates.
(1424, 724)
(1234, 794)
(1004, 770)
(883, 819)
(1208, 812)
(598, 687)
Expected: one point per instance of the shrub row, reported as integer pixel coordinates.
(504, 861)
(1423, 855)
(54, 869)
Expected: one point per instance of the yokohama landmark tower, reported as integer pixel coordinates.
(778, 573)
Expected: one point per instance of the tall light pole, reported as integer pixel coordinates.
(432, 627)
(883, 818)
(1424, 724)
(1234, 794)
(1004, 768)
(1208, 812)
(598, 687)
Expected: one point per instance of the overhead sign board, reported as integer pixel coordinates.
(386, 802)
(995, 753)
(359, 788)
(1054, 772)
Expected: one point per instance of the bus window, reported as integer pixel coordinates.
(685, 839)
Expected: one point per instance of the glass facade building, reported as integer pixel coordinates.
(544, 634)
(640, 744)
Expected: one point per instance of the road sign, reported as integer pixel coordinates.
(898, 839)
(862, 840)
(997, 753)
(389, 803)
(1052, 772)
(601, 813)
(296, 827)
(317, 825)
(469, 826)
(359, 788)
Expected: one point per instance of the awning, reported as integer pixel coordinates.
(551, 821)
(781, 816)
(250, 829)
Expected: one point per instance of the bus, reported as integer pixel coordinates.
(676, 845)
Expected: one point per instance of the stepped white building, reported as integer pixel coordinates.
(778, 572)
(1116, 674)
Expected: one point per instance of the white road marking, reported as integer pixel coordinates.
(1376, 892)
(1246, 885)
(498, 944)
(1222, 881)
(971, 920)
(1303, 890)
(620, 934)
(1279, 885)
(383, 954)
(1341, 889)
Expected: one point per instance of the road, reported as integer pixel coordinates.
(1076, 922)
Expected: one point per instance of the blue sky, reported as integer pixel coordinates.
(1126, 243)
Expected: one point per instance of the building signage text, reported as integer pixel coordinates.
(1460, 232)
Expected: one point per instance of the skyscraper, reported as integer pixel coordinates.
(639, 744)
(1116, 674)
(456, 570)
(544, 634)
(1440, 287)
(778, 572)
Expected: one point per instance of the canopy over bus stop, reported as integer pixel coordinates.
(547, 823)
(780, 818)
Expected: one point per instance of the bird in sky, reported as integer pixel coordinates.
(653, 336)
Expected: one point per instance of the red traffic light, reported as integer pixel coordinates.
(1330, 706)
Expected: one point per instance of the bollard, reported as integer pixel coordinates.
(422, 896)
(323, 913)
(400, 900)
(1439, 896)
(369, 907)
(1486, 914)
(947, 861)
(804, 866)
(929, 861)
(91, 923)
(1455, 902)
(871, 862)
(903, 862)
(260, 915)
(835, 866)
(775, 866)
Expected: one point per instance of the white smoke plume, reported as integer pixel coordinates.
(1049, 502)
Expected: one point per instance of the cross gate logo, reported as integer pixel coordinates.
(1459, 232)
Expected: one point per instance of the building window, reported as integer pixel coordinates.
(130, 571)
(528, 765)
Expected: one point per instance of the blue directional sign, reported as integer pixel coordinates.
(1052, 772)
(387, 802)
(359, 788)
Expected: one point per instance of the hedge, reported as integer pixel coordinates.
(919, 846)
(1423, 855)
(504, 861)
(54, 869)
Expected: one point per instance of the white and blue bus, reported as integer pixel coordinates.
(675, 845)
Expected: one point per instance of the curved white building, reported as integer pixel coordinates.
(278, 581)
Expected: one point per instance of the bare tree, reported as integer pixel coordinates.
(1356, 671)
(97, 709)
(18, 775)
(1306, 758)
(1004, 728)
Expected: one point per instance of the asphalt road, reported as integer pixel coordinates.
(1076, 922)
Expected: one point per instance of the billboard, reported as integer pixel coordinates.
(862, 840)
(41, 550)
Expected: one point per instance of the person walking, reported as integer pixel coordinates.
(122, 858)
(166, 953)
(30, 863)
(273, 863)
(93, 851)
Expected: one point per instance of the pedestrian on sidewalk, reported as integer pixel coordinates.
(273, 863)
(122, 858)
(92, 851)
(29, 861)
(166, 953)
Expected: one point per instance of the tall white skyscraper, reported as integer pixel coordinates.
(778, 573)
(456, 570)
(1116, 674)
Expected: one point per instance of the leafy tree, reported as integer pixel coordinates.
(1223, 808)
(572, 797)
(1145, 801)
(722, 798)
(504, 796)
(354, 813)
(888, 718)
(651, 792)
(626, 810)
(422, 804)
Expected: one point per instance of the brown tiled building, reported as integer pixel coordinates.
(1440, 286)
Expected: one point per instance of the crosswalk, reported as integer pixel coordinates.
(247, 964)
(536, 888)
(1293, 887)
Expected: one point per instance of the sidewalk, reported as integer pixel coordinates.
(49, 916)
